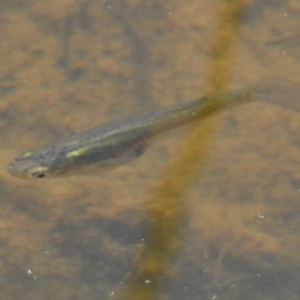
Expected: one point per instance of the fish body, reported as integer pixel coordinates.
(116, 143)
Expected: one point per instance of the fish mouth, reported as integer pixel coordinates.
(19, 168)
(15, 168)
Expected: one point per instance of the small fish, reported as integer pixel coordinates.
(116, 143)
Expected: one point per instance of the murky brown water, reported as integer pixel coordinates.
(70, 65)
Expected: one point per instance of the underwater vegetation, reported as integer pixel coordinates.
(73, 64)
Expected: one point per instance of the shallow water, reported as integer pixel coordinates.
(67, 66)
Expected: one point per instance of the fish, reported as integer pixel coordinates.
(116, 143)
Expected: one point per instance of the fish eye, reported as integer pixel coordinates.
(39, 175)
(40, 172)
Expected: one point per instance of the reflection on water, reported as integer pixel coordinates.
(63, 65)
